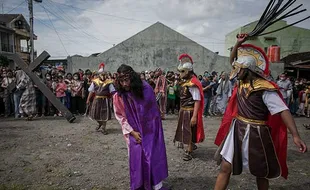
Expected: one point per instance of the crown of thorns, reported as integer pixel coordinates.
(124, 75)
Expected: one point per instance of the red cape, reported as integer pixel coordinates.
(278, 129)
(200, 131)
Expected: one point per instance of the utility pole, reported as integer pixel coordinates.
(30, 6)
(2, 6)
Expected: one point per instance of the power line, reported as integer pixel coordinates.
(55, 30)
(120, 17)
(72, 20)
(74, 27)
(94, 11)
(68, 38)
(51, 27)
(16, 7)
(53, 4)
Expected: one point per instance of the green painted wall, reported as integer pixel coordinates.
(291, 40)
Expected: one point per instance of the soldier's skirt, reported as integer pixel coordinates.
(185, 133)
(249, 146)
(100, 109)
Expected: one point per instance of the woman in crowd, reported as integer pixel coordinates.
(77, 93)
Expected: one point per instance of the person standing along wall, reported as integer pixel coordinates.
(161, 91)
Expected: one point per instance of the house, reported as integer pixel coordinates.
(15, 35)
(298, 65)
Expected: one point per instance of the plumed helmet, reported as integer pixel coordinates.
(252, 58)
(101, 68)
(186, 62)
(101, 65)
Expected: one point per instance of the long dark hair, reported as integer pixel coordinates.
(136, 84)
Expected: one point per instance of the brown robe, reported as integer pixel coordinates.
(101, 105)
(186, 134)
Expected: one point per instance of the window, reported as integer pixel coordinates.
(5, 42)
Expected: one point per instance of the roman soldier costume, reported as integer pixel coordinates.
(190, 92)
(252, 135)
(101, 87)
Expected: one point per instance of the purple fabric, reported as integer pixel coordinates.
(148, 160)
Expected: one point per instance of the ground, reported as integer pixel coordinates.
(50, 153)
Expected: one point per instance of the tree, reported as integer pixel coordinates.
(4, 61)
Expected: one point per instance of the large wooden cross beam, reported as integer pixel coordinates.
(28, 69)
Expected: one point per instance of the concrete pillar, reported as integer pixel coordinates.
(297, 72)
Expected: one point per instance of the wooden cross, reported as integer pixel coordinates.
(28, 69)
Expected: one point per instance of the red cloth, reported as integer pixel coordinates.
(300, 95)
(200, 131)
(101, 65)
(278, 129)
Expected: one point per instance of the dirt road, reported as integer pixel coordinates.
(50, 153)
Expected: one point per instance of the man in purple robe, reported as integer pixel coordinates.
(136, 110)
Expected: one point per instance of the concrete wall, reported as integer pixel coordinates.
(156, 46)
(276, 69)
(291, 40)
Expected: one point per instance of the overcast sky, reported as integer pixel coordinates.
(92, 26)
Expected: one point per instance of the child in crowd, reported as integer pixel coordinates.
(60, 90)
(171, 91)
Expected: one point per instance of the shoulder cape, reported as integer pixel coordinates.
(278, 132)
(200, 130)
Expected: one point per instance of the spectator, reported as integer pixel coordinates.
(76, 93)
(68, 97)
(285, 86)
(60, 90)
(223, 92)
(7, 94)
(207, 92)
(171, 91)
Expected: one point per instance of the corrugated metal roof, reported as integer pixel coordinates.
(296, 58)
(8, 17)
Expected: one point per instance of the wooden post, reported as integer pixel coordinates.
(43, 88)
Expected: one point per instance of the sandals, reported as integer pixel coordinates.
(187, 156)
(29, 118)
(104, 132)
(97, 128)
(194, 147)
(180, 145)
